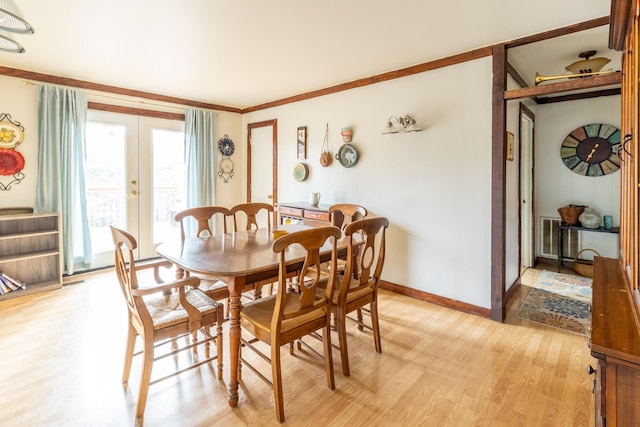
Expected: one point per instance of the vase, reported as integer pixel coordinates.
(590, 218)
(314, 199)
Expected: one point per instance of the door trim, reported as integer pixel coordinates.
(274, 154)
(524, 111)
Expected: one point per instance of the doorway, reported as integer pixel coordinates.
(527, 222)
(262, 162)
(133, 180)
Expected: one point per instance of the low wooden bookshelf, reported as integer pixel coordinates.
(30, 251)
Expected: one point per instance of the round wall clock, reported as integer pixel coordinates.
(592, 150)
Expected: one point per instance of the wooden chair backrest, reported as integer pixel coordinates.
(309, 278)
(203, 216)
(367, 251)
(349, 213)
(125, 245)
(251, 210)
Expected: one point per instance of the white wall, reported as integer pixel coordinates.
(557, 186)
(434, 185)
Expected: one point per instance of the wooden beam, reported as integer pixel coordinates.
(565, 86)
(498, 183)
(64, 81)
(378, 78)
(619, 23)
(577, 96)
(582, 26)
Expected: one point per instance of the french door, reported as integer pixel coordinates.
(135, 180)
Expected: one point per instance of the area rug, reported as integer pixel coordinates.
(576, 287)
(561, 301)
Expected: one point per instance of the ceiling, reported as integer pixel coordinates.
(245, 53)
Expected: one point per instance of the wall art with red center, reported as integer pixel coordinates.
(11, 160)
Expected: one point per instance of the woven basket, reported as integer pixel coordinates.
(584, 267)
(570, 214)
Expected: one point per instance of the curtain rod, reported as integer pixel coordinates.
(132, 100)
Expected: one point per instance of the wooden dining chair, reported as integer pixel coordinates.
(286, 316)
(213, 286)
(249, 213)
(179, 310)
(343, 214)
(357, 286)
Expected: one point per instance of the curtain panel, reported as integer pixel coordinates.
(200, 127)
(60, 184)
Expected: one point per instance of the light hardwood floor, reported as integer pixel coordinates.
(62, 355)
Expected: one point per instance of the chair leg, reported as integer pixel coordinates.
(277, 381)
(257, 292)
(341, 326)
(359, 317)
(207, 344)
(219, 347)
(375, 325)
(328, 355)
(128, 354)
(145, 376)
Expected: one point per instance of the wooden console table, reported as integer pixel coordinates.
(614, 230)
(304, 213)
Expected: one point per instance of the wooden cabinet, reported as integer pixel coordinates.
(615, 343)
(30, 251)
(304, 213)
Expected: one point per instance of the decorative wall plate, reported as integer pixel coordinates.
(347, 155)
(225, 145)
(226, 165)
(10, 135)
(300, 172)
(592, 150)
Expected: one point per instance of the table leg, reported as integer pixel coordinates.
(235, 289)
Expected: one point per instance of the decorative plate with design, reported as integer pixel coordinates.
(347, 155)
(592, 150)
(300, 172)
(225, 145)
(10, 135)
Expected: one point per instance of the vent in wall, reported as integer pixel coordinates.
(570, 239)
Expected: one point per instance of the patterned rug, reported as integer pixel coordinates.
(559, 300)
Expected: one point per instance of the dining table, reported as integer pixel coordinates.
(240, 259)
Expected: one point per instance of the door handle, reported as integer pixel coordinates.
(132, 194)
(270, 196)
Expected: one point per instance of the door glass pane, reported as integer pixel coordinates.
(106, 193)
(168, 182)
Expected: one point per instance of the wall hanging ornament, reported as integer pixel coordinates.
(325, 155)
(11, 161)
(592, 150)
(226, 147)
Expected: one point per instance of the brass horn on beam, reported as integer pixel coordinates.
(539, 79)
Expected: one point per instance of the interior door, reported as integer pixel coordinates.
(527, 223)
(133, 180)
(262, 162)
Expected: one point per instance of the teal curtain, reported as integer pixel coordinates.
(60, 185)
(200, 128)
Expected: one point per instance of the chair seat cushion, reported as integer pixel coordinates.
(167, 311)
(258, 313)
(351, 296)
(215, 288)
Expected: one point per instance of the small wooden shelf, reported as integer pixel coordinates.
(30, 251)
(304, 213)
